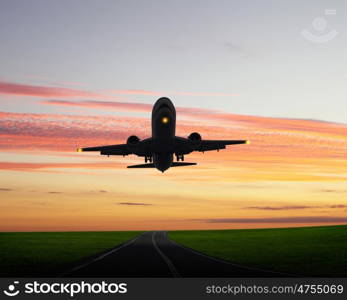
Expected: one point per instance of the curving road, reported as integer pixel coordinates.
(153, 254)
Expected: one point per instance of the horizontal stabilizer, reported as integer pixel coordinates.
(174, 164)
(182, 164)
(142, 166)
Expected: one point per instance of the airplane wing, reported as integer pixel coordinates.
(208, 145)
(185, 146)
(121, 149)
(140, 148)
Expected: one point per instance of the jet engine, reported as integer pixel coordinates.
(195, 138)
(132, 143)
(132, 140)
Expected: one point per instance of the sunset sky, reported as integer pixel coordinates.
(86, 73)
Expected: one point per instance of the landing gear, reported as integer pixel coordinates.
(179, 157)
(148, 158)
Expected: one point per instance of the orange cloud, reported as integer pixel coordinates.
(292, 167)
(295, 207)
(30, 167)
(292, 150)
(295, 220)
(65, 132)
(288, 140)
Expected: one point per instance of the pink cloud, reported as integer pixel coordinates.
(272, 140)
(65, 132)
(153, 93)
(317, 151)
(305, 129)
(8, 88)
(135, 92)
(120, 106)
(124, 106)
(206, 94)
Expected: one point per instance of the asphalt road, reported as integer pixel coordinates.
(153, 254)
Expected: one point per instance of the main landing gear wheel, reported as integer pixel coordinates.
(179, 157)
(148, 159)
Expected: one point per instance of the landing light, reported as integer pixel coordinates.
(79, 150)
(248, 142)
(165, 120)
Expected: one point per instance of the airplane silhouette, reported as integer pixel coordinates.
(159, 149)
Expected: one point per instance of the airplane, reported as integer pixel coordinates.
(158, 150)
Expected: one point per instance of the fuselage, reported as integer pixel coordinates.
(163, 133)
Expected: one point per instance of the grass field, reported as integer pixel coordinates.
(309, 251)
(49, 253)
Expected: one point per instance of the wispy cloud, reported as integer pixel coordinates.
(301, 219)
(124, 106)
(281, 149)
(10, 88)
(337, 206)
(206, 94)
(328, 191)
(53, 81)
(65, 133)
(5, 190)
(333, 191)
(135, 92)
(31, 167)
(235, 48)
(273, 137)
(121, 106)
(263, 127)
(281, 207)
(163, 93)
(232, 47)
(134, 203)
(294, 207)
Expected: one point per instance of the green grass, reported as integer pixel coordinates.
(308, 251)
(29, 254)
